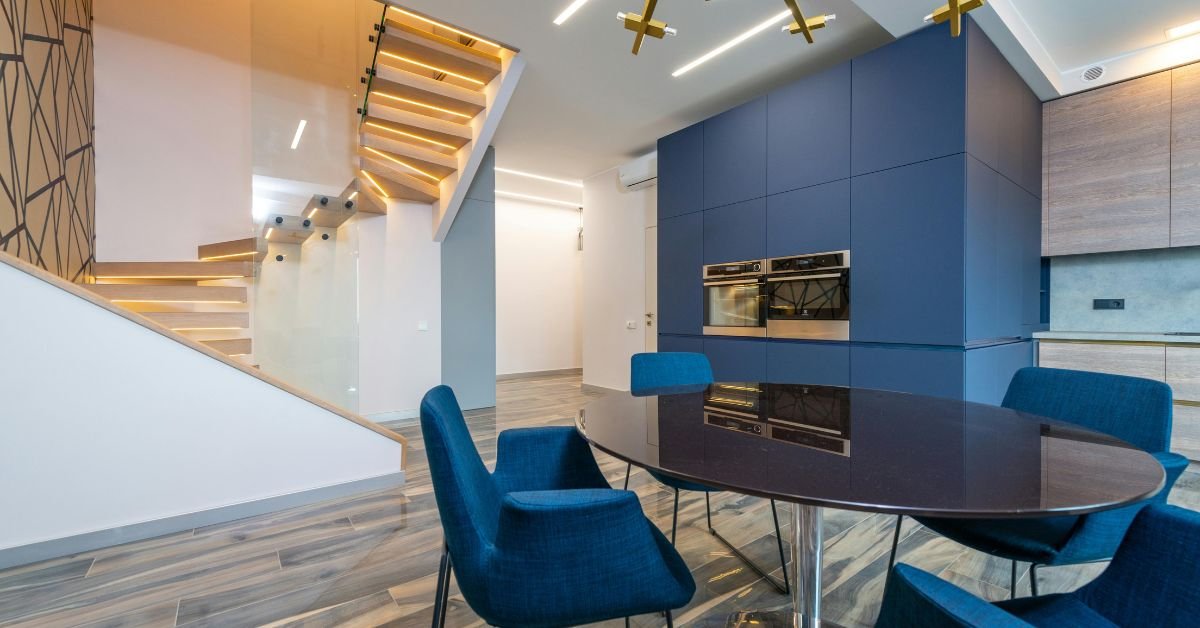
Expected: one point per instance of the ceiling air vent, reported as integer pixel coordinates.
(1093, 73)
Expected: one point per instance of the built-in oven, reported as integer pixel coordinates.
(808, 296)
(735, 299)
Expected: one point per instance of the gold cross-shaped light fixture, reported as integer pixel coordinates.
(645, 24)
(952, 12)
(800, 24)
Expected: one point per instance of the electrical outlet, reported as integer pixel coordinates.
(1108, 304)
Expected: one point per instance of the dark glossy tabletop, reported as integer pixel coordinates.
(871, 450)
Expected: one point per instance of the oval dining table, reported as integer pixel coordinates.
(869, 450)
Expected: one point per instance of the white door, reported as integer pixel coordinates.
(651, 289)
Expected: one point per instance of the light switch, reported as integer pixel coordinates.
(422, 325)
(630, 324)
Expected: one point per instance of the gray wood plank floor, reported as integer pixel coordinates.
(371, 560)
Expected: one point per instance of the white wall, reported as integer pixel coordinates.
(173, 126)
(614, 276)
(109, 424)
(539, 281)
(400, 288)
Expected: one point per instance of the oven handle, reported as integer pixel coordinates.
(805, 277)
(735, 282)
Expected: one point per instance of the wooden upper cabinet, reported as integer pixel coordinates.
(1185, 157)
(1108, 168)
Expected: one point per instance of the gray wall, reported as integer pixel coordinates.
(469, 294)
(1161, 289)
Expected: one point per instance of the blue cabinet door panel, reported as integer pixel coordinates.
(824, 364)
(680, 296)
(982, 293)
(735, 155)
(737, 359)
(934, 372)
(735, 233)
(988, 370)
(812, 220)
(808, 131)
(681, 172)
(909, 101)
(684, 344)
(907, 254)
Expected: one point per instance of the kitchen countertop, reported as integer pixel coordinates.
(1117, 336)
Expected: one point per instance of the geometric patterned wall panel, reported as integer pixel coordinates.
(48, 172)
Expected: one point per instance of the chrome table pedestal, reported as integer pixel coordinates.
(807, 549)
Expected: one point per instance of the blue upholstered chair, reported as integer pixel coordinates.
(1154, 580)
(1135, 410)
(543, 540)
(673, 372)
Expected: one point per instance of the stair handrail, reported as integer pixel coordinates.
(380, 29)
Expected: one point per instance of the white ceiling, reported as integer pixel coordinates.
(585, 104)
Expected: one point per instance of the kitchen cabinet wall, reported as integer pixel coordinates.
(680, 171)
(680, 289)
(808, 131)
(823, 364)
(1185, 156)
(735, 155)
(1122, 166)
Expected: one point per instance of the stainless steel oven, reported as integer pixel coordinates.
(808, 296)
(734, 299)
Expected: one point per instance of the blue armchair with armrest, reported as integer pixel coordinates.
(543, 541)
(1154, 580)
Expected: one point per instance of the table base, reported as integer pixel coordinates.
(807, 540)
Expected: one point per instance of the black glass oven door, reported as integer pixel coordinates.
(809, 306)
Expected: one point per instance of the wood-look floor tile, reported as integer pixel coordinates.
(157, 616)
(365, 612)
(49, 572)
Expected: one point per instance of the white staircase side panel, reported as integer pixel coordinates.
(107, 424)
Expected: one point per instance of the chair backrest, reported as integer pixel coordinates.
(1154, 579)
(653, 371)
(467, 498)
(1133, 409)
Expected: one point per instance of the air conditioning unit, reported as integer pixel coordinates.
(640, 173)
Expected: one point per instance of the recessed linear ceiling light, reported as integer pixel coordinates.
(775, 19)
(569, 11)
(299, 132)
(530, 175)
(1190, 28)
(539, 199)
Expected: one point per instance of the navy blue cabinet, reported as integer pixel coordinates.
(907, 254)
(1004, 117)
(684, 344)
(681, 172)
(812, 220)
(909, 101)
(735, 155)
(808, 131)
(680, 247)
(934, 372)
(825, 364)
(737, 359)
(988, 370)
(735, 233)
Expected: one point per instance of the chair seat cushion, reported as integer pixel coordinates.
(1028, 540)
(682, 485)
(1059, 611)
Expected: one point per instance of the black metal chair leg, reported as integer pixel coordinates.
(628, 470)
(895, 542)
(626, 622)
(1033, 583)
(674, 516)
(670, 620)
(1012, 591)
(443, 590)
(787, 586)
(708, 511)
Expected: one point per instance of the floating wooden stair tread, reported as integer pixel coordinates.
(410, 150)
(429, 61)
(425, 138)
(151, 293)
(183, 321)
(287, 229)
(233, 346)
(397, 29)
(369, 200)
(392, 178)
(393, 80)
(188, 271)
(392, 112)
(411, 159)
(246, 249)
